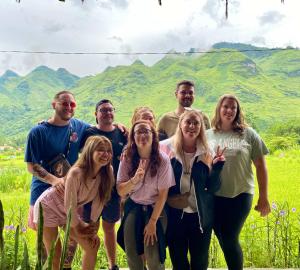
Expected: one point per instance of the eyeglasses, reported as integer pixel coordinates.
(143, 131)
(110, 110)
(72, 104)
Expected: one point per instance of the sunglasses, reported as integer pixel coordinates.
(72, 104)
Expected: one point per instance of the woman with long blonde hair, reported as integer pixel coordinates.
(90, 179)
(190, 201)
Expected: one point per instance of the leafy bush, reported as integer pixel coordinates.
(281, 142)
(281, 136)
(289, 128)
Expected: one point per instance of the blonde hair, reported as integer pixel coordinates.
(178, 136)
(137, 114)
(238, 125)
(86, 164)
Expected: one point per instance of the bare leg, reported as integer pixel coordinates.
(89, 252)
(49, 236)
(71, 250)
(110, 240)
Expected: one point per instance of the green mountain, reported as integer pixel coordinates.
(266, 81)
(26, 99)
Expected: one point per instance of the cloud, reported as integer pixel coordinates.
(110, 4)
(212, 8)
(258, 40)
(216, 9)
(119, 3)
(271, 17)
(116, 38)
(135, 26)
(53, 28)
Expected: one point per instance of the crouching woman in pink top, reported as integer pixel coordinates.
(145, 174)
(89, 180)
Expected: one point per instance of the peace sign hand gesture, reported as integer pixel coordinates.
(219, 155)
(140, 172)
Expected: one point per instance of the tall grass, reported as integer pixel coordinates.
(267, 242)
(5, 263)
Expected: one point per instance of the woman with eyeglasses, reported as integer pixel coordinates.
(234, 198)
(190, 202)
(90, 179)
(145, 174)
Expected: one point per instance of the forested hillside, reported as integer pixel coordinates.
(267, 83)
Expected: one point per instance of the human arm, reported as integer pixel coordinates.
(123, 128)
(72, 185)
(36, 151)
(150, 229)
(214, 180)
(42, 174)
(263, 205)
(126, 187)
(83, 229)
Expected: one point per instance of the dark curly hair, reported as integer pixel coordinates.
(131, 152)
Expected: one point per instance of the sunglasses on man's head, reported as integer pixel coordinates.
(72, 104)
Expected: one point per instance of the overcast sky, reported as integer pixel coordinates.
(135, 26)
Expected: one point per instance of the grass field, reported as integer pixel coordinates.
(267, 242)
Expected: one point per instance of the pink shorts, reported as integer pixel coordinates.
(30, 223)
(53, 209)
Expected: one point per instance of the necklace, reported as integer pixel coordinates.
(186, 164)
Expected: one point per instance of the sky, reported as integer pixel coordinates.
(131, 26)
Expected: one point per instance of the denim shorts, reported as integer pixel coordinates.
(111, 211)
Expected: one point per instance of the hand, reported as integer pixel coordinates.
(84, 230)
(219, 155)
(150, 236)
(123, 129)
(94, 241)
(94, 226)
(59, 185)
(140, 172)
(263, 206)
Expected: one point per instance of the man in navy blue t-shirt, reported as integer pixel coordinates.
(61, 134)
(104, 113)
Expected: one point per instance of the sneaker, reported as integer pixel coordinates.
(115, 267)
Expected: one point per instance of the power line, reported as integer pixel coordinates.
(147, 53)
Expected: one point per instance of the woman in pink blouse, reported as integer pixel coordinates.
(89, 180)
(145, 174)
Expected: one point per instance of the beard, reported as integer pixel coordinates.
(65, 116)
(187, 102)
(107, 120)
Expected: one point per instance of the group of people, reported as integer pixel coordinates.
(177, 181)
